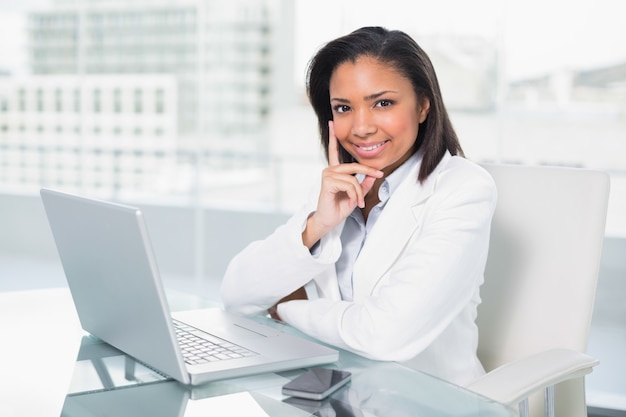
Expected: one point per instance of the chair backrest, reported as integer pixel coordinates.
(543, 264)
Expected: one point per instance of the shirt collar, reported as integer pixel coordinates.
(393, 180)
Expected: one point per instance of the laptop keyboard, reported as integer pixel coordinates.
(200, 347)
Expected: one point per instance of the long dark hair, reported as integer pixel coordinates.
(396, 48)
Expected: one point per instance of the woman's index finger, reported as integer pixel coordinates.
(333, 146)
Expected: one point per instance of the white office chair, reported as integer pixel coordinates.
(539, 288)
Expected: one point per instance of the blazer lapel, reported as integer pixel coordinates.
(399, 220)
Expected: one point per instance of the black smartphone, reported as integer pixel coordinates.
(317, 383)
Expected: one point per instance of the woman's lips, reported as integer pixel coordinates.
(370, 150)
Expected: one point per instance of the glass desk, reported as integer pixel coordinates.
(102, 381)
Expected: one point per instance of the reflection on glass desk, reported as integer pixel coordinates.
(107, 382)
(50, 364)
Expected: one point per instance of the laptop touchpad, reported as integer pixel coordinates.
(222, 324)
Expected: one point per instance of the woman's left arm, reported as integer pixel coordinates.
(435, 277)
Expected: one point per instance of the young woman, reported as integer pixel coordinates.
(391, 249)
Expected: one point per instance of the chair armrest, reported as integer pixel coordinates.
(514, 381)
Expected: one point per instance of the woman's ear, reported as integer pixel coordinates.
(424, 109)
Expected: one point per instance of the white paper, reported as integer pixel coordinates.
(235, 405)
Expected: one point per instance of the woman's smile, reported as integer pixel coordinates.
(365, 150)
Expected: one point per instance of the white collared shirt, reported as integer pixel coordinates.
(356, 230)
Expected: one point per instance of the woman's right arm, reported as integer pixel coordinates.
(270, 269)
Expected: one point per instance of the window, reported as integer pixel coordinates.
(40, 99)
(77, 100)
(159, 101)
(58, 100)
(138, 101)
(97, 100)
(117, 100)
(22, 99)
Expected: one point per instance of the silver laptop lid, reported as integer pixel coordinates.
(113, 277)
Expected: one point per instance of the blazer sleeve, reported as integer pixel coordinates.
(432, 282)
(267, 270)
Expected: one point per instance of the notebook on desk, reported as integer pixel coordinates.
(113, 277)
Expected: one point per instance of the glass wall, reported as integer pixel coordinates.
(192, 106)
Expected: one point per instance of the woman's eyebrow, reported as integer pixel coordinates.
(377, 95)
(369, 97)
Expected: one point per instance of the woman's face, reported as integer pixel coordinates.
(376, 113)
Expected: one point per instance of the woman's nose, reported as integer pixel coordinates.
(362, 124)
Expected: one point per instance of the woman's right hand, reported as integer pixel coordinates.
(340, 194)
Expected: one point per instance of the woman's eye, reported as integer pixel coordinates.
(341, 108)
(384, 103)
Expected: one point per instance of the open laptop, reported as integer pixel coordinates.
(119, 297)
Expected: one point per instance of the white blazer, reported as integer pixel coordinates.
(416, 280)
